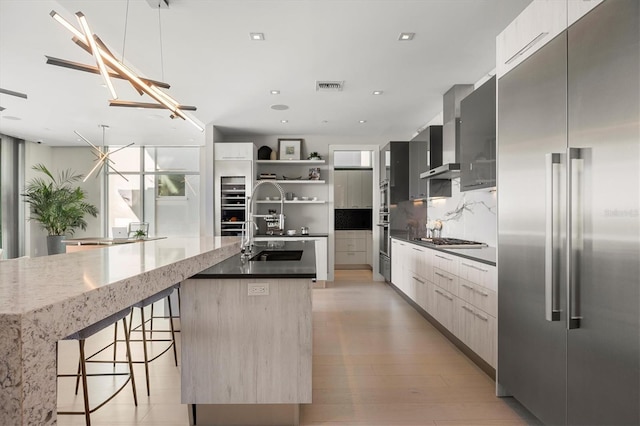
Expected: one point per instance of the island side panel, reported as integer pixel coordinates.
(241, 349)
(10, 370)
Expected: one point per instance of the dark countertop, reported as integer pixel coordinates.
(235, 267)
(486, 255)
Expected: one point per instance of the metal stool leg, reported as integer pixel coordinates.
(85, 391)
(144, 350)
(173, 332)
(133, 379)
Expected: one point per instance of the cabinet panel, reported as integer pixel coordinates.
(340, 185)
(423, 292)
(478, 138)
(444, 307)
(351, 258)
(538, 24)
(446, 262)
(478, 273)
(353, 189)
(235, 151)
(366, 188)
(485, 335)
(358, 244)
(445, 280)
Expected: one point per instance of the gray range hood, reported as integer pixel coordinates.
(450, 167)
(446, 171)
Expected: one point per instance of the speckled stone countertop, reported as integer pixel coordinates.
(44, 299)
(236, 267)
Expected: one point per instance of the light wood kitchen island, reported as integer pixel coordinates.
(247, 338)
(44, 299)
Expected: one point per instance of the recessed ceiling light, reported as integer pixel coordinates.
(377, 92)
(284, 121)
(362, 121)
(406, 36)
(275, 92)
(279, 107)
(256, 36)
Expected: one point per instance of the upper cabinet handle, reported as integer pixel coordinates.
(527, 47)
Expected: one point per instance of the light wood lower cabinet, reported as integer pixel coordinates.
(459, 293)
(476, 329)
(351, 248)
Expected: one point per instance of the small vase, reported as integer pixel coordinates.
(274, 155)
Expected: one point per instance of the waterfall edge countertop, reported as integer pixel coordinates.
(45, 299)
(236, 267)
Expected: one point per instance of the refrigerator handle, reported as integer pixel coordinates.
(552, 232)
(575, 234)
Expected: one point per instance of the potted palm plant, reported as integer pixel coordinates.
(57, 205)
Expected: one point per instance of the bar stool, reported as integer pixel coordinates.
(142, 328)
(82, 374)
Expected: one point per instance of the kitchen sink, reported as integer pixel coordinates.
(277, 255)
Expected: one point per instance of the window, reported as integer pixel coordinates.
(162, 188)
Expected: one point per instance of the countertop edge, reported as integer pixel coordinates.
(452, 251)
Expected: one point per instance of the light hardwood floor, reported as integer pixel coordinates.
(376, 362)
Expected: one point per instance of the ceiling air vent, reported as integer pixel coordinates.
(329, 86)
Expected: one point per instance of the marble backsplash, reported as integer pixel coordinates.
(469, 215)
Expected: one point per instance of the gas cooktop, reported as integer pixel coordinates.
(452, 243)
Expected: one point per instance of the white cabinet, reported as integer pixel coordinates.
(234, 151)
(459, 293)
(352, 189)
(536, 25)
(444, 304)
(351, 248)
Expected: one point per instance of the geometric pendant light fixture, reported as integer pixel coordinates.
(102, 155)
(109, 67)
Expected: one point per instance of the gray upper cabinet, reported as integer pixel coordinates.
(425, 152)
(478, 138)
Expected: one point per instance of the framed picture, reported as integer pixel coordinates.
(289, 149)
(314, 173)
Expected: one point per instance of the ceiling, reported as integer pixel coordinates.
(203, 50)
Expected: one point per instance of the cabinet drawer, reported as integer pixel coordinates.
(478, 273)
(486, 299)
(481, 297)
(446, 262)
(351, 245)
(351, 235)
(351, 258)
(445, 280)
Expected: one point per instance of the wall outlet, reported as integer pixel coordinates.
(258, 289)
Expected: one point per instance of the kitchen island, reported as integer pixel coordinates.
(247, 337)
(45, 299)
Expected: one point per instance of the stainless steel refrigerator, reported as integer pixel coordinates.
(569, 223)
